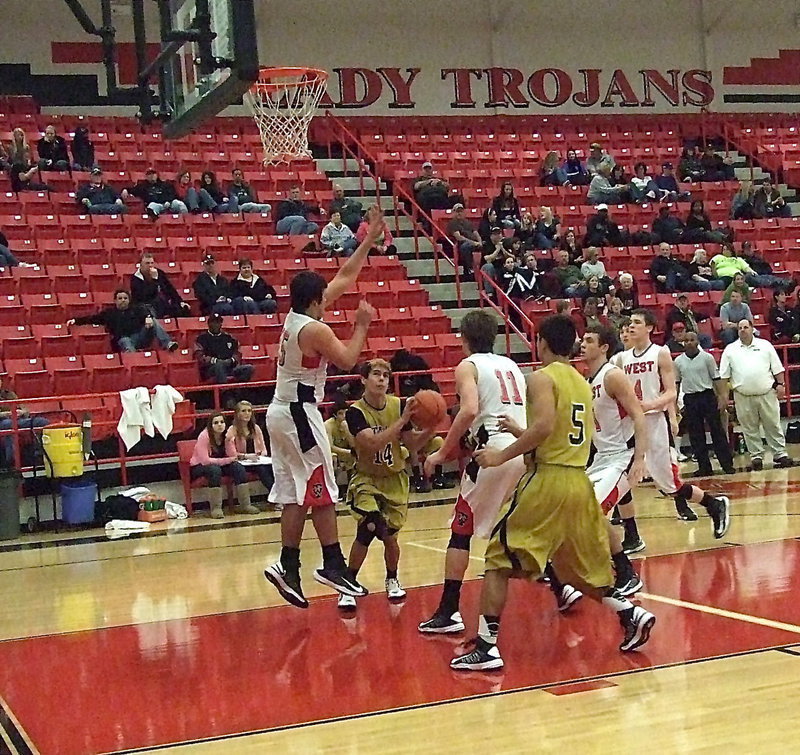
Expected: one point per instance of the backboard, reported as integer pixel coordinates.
(211, 71)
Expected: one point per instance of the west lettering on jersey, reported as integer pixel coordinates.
(639, 368)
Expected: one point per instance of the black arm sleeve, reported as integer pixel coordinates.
(356, 421)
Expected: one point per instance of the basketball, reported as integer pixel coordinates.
(430, 409)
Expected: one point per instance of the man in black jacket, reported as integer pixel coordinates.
(212, 290)
(251, 294)
(98, 198)
(158, 196)
(292, 215)
(151, 287)
(218, 355)
(52, 149)
(667, 227)
(131, 327)
(601, 230)
(669, 273)
(242, 198)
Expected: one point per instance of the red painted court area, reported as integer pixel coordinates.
(216, 676)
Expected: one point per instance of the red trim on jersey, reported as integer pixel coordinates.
(310, 363)
(317, 493)
(676, 476)
(612, 499)
(463, 518)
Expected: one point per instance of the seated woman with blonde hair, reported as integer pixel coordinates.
(245, 442)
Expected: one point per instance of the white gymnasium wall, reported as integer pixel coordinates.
(378, 42)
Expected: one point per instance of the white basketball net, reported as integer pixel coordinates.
(283, 103)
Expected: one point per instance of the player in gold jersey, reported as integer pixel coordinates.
(378, 490)
(553, 514)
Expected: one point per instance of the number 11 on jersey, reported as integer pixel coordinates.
(507, 380)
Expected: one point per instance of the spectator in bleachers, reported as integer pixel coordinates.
(570, 243)
(684, 314)
(569, 276)
(601, 230)
(742, 207)
(152, 288)
(615, 315)
(667, 227)
(7, 257)
(5, 161)
(98, 198)
(591, 265)
(701, 273)
(768, 202)
(689, 167)
(494, 261)
(595, 289)
(24, 421)
(336, 238)
(548, 229)
(52, 149)
(598, 157)
(525, 282)
(82, 150)
(386, 245)
(342, 444)
(668, 185)
(218, 356)
(212, 195)
(243, 198)
(526, 232)
(251, 294)
(643, 186)
(551, 173)
(677, 338)
(350, 209)
(131, 326)
(698, 226)
(506, 207)
(602, 191)
(783, 319)
(209, 460)
(737, 284)
(213, 290)
(487, 222)
(627, 293)
(715, 167)
(467, 239)
(752, 368)
(19, 151)
(292, 215)
(619, 177)
(493, 246)
(726, 264)
(731, 314)
(188, 194)
(158, 196)
(668, 272)
(22, 178)
(575, 171)
(432, 192)
(245, 440)
(589, 316)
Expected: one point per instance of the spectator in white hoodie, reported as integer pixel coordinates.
(337, 238)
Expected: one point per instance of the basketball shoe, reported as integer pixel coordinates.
(482, 656)
(567, 597)
(346, 602)
(628, 584)
(394, 590)
(441, 624)
(637, 626)
(287, 584)
(340, 581)
(719, 511)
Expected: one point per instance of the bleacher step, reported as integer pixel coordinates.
(334, 165)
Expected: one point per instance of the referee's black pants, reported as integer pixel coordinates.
(701, 409)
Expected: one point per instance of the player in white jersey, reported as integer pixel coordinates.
(619, 443)
(650, 370)
(301, 453)
(490, 387)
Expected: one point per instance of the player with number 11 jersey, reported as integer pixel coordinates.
(491, 389)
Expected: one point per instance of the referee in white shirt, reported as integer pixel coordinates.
(703, 400)
(756, 375)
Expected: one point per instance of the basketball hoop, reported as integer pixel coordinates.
(283, 101)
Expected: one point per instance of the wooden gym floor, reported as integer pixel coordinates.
(175, 642)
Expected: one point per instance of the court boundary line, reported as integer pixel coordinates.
(14, 731)
(452, 701)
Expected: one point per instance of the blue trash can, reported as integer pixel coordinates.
(77, 501)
